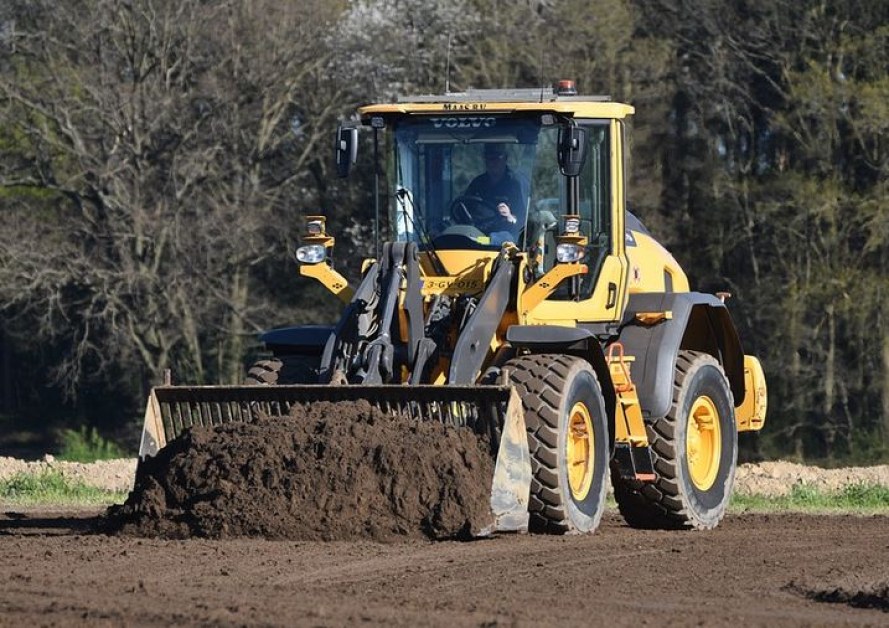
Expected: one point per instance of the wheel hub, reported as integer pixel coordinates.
(703, 443)
(580, 451)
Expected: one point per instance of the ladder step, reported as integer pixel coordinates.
(634, 463)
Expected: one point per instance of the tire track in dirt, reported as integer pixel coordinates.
(738, 574)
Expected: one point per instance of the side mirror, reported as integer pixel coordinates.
(572, 149)
(345, 149)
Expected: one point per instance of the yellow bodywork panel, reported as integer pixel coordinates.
(467, 271)
(652, 268)
(331, 279)
(535, 294)
(604, 304)
(751, 414)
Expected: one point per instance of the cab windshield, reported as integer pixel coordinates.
(473, 181)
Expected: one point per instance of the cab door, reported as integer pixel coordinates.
(601, 295)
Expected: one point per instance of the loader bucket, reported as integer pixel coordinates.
(495, 411)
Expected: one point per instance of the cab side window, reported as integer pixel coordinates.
(595, 209)
(595, 203)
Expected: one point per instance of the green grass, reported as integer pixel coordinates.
(52, 488)
(859, 499)
(86, 445)
(862, 499)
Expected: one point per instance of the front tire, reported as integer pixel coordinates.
(568, 439)
(694, 449)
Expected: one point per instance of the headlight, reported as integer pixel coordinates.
(311, 254)
(569, 253)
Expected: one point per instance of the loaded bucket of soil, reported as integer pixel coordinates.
(324, 471)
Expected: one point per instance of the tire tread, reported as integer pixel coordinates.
(660, 505)
(540, 380)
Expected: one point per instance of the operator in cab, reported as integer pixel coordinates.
(501, 210)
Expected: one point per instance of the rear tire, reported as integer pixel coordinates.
(568, 440)
(694, 449)
(282, 370)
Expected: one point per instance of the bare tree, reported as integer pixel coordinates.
(162, 151)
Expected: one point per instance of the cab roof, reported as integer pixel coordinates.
(540, 100)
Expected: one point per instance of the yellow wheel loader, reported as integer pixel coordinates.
(521, 300)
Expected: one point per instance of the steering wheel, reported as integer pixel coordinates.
(471, 210)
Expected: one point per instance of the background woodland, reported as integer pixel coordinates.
(156, 157)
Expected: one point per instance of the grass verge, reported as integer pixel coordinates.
(86, 445)
(52, 488)
(859, 499)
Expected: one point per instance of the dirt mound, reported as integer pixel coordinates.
(777, 478)
(854, 593)
(326, 472)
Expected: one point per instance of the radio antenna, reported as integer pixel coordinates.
(448, 68)
(540, 73)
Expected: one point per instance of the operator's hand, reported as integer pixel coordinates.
(506, 213)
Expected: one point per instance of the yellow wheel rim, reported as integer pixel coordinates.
(580, 451)
(703, 443)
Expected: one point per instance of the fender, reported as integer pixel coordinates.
(576, 341)
(698, 322)
(300, 339)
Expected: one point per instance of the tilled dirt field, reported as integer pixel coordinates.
(768, 570)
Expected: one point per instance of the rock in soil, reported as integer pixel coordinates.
(851, 590)
(329, 471)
